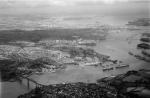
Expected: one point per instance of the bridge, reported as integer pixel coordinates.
(37, 85)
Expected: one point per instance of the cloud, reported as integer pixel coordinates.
(46, 3)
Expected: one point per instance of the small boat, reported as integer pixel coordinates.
(108, 69)
(121, 66)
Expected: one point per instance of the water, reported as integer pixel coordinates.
(12, 89)
(117, 46)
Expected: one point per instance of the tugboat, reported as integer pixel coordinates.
(121, 66)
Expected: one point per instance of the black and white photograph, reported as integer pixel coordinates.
(74, 48)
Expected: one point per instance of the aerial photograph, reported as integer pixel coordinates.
(74, 48)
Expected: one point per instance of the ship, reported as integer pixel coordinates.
(108, 69)
(121, 66)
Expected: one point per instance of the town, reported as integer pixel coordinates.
(52, 55)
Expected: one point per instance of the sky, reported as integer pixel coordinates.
(74, 6)
(39, 3)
